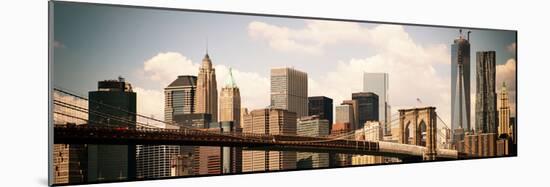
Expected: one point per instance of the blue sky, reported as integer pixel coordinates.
(150, 47)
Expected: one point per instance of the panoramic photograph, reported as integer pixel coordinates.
(150, 93)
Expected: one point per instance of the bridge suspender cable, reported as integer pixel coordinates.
(231, 134)
(110, 106)
(108, 116)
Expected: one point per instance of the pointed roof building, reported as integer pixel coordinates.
(230, 101)
(504, 112)
(207, 91)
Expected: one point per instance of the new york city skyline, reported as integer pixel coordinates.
(146, 93)
(164, 47)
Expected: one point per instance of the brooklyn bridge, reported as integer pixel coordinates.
(421, 144)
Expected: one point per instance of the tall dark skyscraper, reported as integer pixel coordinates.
(322, 106)
(367, 107)
(113, 105)
(179, 97)
(460, 86)
(486, 96)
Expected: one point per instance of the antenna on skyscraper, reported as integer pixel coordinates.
(230, 82)
(207, 45)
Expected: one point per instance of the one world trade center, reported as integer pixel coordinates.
(460, 87)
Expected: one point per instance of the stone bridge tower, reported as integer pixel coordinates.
(418, 126)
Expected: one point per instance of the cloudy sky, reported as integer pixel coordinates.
(151, 47)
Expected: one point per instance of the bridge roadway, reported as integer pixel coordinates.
(248, 141)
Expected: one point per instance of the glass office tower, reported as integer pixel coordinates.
(460, 87)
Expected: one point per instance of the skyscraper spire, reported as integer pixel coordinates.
(207, 92)
(206, 62)
(230, 82)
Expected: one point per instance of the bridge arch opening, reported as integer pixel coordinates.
(423, 133)
(409, 130)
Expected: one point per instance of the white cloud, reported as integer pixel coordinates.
(150, 102)
(411, 66)
(165, 67)
(388, 39)
(280, 38)
(507, 73)
(408, 79)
